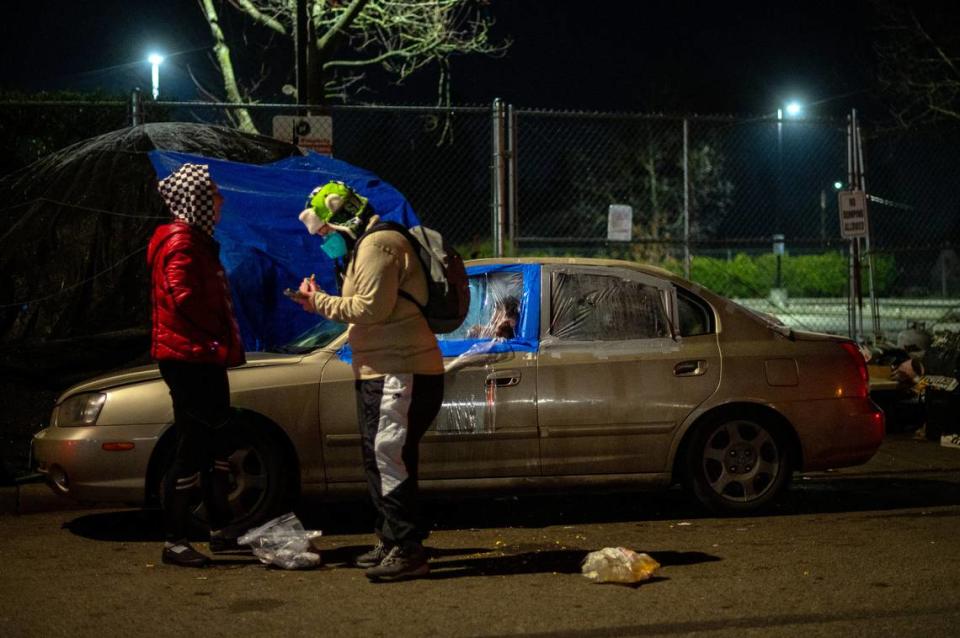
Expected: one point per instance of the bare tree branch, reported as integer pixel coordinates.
(398, 36)
(269, 21)
(222, 53)
(918, 63)
(941, 54)
(326, 41)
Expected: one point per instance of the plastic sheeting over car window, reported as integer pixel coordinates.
(589, 306)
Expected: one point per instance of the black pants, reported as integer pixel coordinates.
(394, 412)
(201, 413)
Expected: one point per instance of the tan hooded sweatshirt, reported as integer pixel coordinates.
(388, 333)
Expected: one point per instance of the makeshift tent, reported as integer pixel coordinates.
(74, 228)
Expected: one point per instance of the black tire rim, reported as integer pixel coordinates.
(741, 461)
(248, 482)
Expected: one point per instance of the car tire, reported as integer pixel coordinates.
(737, 465)
(264, 483)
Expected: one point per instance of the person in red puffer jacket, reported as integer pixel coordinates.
(195, 339)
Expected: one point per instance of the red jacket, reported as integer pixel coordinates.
(192, 312)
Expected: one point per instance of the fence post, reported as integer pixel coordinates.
(136, 108)
(853, 253)
(499, 177)
(300, 46)
(874, 309)
(686, 198)
(512, 178)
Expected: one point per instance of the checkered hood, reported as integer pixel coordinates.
(189, 196)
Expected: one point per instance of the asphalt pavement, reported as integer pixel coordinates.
(870, 551)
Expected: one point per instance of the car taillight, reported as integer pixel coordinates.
(861, 364)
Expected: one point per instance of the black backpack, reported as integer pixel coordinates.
(448, 290)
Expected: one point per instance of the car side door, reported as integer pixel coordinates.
(615, 377)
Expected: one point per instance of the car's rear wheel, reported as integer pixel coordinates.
(263, 482)
(737, 465)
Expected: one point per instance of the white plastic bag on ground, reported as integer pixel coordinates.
(283, 542)
(618, 565)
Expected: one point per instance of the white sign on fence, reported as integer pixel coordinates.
(620, 222)
(311, 132)
(853, 214)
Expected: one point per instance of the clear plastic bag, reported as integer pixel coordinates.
(618, 565)
(283, 542)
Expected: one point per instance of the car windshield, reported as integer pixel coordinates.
(318, 336)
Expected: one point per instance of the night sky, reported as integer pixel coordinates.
(742, 57)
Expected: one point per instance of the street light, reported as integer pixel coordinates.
(155, 60)
(794, 108)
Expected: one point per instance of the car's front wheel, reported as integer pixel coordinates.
(737, 465)
(263, 482)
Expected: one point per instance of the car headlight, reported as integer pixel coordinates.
(81, 409)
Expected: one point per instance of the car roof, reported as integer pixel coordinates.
(581, 261)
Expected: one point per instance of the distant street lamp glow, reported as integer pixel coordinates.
(838, 185)
(794, 108)
(155, 60)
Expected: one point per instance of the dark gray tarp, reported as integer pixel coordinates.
(73, 231)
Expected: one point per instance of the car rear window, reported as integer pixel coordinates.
(696, 317)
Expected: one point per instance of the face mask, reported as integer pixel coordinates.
(334, 246)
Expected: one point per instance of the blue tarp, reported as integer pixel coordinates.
(264, 247)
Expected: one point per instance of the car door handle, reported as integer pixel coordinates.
(690, 368)
(503, 378)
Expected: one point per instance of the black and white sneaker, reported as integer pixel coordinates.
(373, 557)
(183, 554)
(400, 564)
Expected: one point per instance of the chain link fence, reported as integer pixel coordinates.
(746, 207)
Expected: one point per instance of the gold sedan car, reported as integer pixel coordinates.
(566, 373)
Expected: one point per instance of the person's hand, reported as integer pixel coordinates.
(307, 304)
(309, 285)
(308, 288)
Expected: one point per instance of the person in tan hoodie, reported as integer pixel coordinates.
(396, 361)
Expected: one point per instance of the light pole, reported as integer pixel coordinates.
(792, 109)
(837, 186)
(155, 60)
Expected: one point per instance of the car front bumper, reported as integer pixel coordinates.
(92, 464)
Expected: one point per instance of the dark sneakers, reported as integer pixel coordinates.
(401, 563)
(373, 557)
(184, 555)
